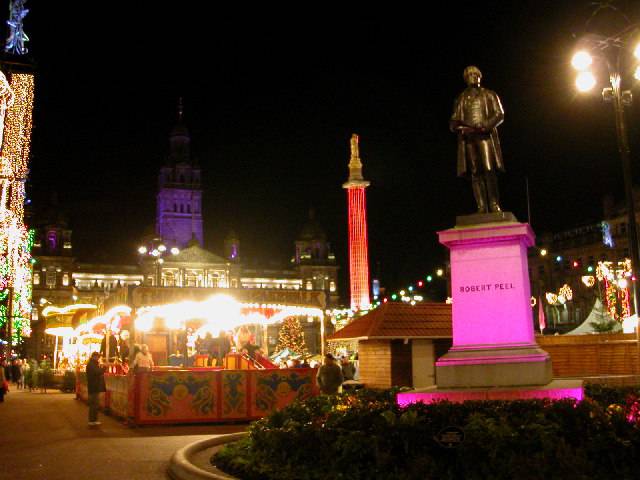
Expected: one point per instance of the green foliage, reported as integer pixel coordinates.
(365, 435)
(604, 326)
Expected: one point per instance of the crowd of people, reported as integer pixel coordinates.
(12, 372)
(22, 373)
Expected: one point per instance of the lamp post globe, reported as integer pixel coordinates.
(619, 54)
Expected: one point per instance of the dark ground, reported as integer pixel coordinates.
(45, 436)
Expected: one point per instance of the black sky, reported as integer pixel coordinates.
(272, 96)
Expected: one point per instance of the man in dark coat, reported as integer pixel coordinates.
(95, 385)
(329, 376)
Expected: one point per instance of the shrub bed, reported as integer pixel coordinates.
(365, 435)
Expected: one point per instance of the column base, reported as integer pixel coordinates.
(499, 366)
(555, 390)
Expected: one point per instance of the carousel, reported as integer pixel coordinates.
(71, 349)
(210, 361)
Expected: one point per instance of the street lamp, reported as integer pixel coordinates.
(617, 53)
(156, 250)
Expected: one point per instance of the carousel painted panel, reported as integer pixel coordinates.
(81, 385)
(234, 394)
(119, 393)
(275, 389)
(177, 396)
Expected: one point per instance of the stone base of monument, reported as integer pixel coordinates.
(494, 353)
(502, 366)
(554, 390)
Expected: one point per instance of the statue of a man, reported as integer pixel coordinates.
(477, 112)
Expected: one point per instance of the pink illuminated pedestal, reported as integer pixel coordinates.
(493, 339)
(494, 353)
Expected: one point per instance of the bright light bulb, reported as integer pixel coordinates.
(162, 248)
(155, 252)
(581, 60)
(439, 272)
(175, 251)
(622, 283)
(636, 73)
(142, 250)
(585, 81)
(636, 51)
(543, 252)
(160, 261)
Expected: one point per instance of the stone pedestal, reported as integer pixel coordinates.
(493, 339)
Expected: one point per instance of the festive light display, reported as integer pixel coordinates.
(292, 337)
(16, 108)
(358, 245)
(220, 312)
(564, 295)
(616, 291)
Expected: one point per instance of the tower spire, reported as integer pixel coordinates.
(358, 245)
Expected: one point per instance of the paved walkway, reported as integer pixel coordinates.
(45, 436)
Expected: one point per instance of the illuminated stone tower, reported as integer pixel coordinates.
(358, 246)
(179, 201)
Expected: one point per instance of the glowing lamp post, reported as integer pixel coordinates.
(157, 250)
(615, 52)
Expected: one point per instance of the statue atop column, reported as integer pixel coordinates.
(477, 112)
(16, 38)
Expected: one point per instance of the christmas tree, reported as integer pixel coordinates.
(292, 337)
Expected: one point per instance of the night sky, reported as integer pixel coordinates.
(272, 97)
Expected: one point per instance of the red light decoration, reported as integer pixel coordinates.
(358, 249)
(575, 264)
(420, 283)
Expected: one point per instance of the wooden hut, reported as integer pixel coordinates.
(398, 343)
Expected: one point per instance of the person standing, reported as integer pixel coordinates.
(329, 376)
(16, 372)
(3, 384)
(348, 369)
(143, 362)
(95, 385)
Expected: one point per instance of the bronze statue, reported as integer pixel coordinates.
(477, 113)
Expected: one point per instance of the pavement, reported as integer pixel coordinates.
(46, 436)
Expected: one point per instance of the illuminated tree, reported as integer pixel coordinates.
(292, 337)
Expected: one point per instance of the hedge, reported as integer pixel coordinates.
(365, 435)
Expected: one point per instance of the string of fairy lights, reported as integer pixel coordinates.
(411, 294)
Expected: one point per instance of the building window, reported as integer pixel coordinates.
(309, 285)
(188, 208)
(36, 278)
(65, 280)
(52, 240)
(332, 286)
(51, 278)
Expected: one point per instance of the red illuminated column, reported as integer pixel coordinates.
(358, 249)
(358, 246)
